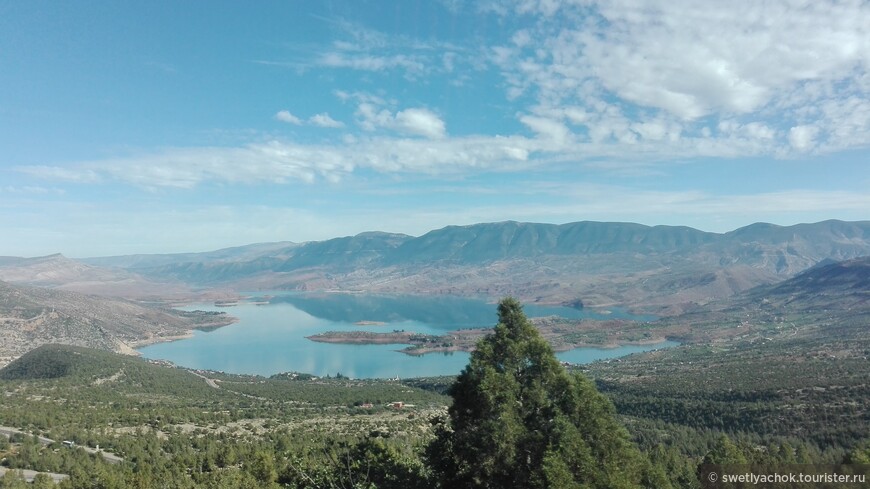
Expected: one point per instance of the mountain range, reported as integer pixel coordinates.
(597, 263)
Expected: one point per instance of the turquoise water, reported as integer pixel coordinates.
(269, 339)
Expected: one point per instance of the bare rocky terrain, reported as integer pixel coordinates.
(33, 316)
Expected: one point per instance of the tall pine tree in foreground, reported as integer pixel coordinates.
(519, 419)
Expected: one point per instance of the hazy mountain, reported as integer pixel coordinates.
(489, 242)
(236, 253)
(482, 243)
(53, 270)
(600, 263)
(352, 251)
(58, 271)
(791, 249)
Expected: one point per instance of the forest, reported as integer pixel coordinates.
(515, 417)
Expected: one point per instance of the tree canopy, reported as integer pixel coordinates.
(519, 419)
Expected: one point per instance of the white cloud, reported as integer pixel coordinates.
(280, 162)
(416, 121)
(359, 47)
(444, 156)
(449, 61)
(604, 82)
(758, 130)
(324, 120)
(802, 137)
(547, 128)
(187, 167)
(657, 130)
(371, 62)
(31, 190)
(371, 117)
(286, 116)
(765, 66)
(73, 174)
(320, 120)
(422, 122)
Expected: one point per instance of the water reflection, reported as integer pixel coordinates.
(271, 339)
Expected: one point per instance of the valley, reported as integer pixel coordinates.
(778, 374)
(504, 244)
(767, 360)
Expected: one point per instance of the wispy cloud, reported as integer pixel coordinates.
(320, 120)
(359, 47)
(75, 173)
(355, 61)
(286, 116)
(610, 86)
(31, 190)
(415, 121)
(323, 120)
(798, 69)
(280, 162)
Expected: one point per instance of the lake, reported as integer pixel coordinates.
(270, 338)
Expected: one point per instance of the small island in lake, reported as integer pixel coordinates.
(562, 334)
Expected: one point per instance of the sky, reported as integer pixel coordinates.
(165, 126)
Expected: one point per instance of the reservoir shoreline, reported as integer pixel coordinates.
(461, 340)
(359, 336)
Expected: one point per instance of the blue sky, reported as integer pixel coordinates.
(151, 127)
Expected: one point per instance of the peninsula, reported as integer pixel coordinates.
(562, 334)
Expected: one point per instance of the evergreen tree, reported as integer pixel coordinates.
(518, 419)
(859, 456)
(725, 452)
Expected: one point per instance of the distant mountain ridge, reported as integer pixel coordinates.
(58, 271)
(480, 243)
(228, 254)
(505, 240)
(600, 263)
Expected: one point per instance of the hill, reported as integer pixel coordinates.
(826, 303)
(846, 283)
(79, 366)
(786, 360)
(32, 316)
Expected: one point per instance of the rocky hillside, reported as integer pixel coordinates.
(33, 316)
(839, 285)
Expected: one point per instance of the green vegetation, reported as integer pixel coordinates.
(789, 386)
(518, 419)
(172, 428)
